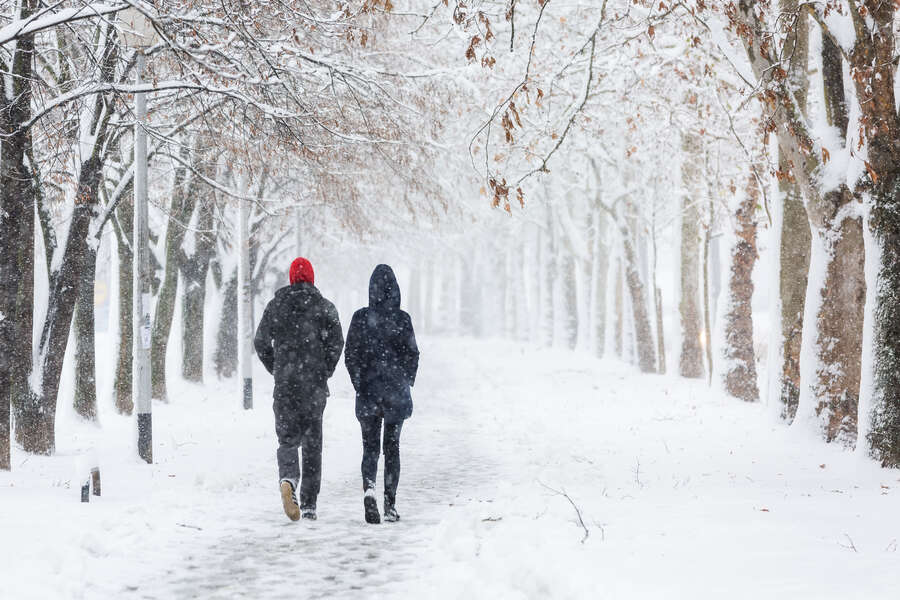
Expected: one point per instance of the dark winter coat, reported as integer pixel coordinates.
(381, 355)
(299, 341)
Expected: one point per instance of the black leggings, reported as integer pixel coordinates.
(371, 434)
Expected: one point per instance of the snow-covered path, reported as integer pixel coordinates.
(526, 474)
(256, 551)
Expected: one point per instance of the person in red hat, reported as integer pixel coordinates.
(299, 340)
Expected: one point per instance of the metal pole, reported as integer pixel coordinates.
(141, 320)
(246, 307)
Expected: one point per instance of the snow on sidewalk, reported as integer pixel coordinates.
(620, 485)
(526, 474)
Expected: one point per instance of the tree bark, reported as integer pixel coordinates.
(740, 373)
(16, 234)
(657, 304)
(884, 433)
(225, 357)
(836, 384)
(795, 231)
(598, 278)
(182, 207)
(619, 290)
(38, 417)
(123, 226)
(691, 360)
(794, 260)
(839, 331)
(23, 347)
(874, 78)
(566, 265)
(85, 402)
(660, 339)
(707, 299)
(644, 342)
(39, 408)
(194, 269)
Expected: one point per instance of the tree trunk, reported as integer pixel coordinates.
(619, 291)
(657, 303)
(872, 63)
(740, 374)
(660, 340)
(38, 416)
(598, 277)
(194, 269)
(884, 433)
(566, 266)
(16, 235)
(795, 231)
(38, 410)
(85, 361)
(691, 361)
(5, 425)
(707, 299)
(182, 207)
(839, 331)
(123, 226)
(643, 334)
(23, 347)
(794, 260)
(225, 358)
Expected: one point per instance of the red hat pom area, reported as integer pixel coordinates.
(301, 270)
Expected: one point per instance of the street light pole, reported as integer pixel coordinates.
(245, 317)
(141, 320)
(138, 32)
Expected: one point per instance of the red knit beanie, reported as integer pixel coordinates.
(301, 270)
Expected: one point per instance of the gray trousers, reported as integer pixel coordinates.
(304, 433)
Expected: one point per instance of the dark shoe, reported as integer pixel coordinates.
(308, 513)
(289, 501)
(371, 507)
(390, 514)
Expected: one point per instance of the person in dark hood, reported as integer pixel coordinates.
(299, 341)
(382, 359)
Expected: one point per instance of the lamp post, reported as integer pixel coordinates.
(137, 32)
(245, 306)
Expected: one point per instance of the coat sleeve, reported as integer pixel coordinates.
(353, 352)
(411, 353)
(332, 338)
(263, 340)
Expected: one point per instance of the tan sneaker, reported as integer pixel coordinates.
(289, 501)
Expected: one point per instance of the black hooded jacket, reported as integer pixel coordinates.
(299, 340)
(381, 354)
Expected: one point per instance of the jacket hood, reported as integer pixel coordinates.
(384, 292)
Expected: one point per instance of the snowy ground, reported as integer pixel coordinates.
(682, 493)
